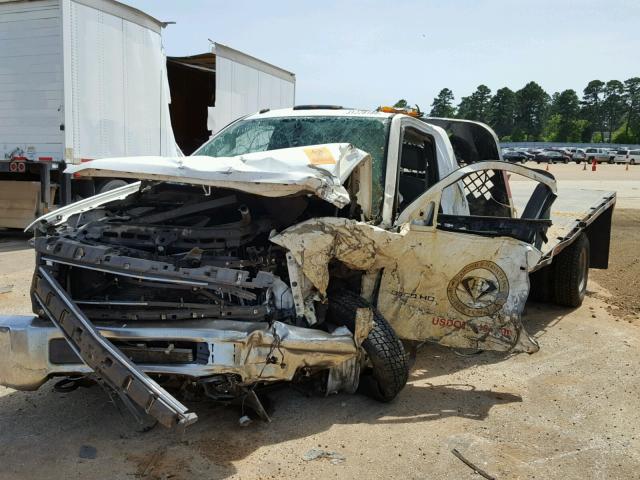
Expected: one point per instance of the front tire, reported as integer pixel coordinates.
(111, 185)
(572, 273)
(389, 363)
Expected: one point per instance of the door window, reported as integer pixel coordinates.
(418, 169)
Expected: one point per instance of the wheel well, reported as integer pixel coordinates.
(341, 277)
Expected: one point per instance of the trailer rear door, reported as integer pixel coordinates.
(116, 87)
(31, 91)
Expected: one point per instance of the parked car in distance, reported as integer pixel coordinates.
(622, 156)
(599, 155)
(513, 156)
(634, 157)
(563, 150)
(552, 156)
(578, 155)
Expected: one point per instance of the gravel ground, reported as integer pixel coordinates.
(568, 411)
(622, 278)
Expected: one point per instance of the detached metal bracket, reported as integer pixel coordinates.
(115, 369)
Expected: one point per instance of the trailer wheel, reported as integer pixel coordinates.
(111, 185)
(572, 273)
(389, 363)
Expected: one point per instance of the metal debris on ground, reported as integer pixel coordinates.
(477, 470)
(244, 421)
(316, 453)
(89, 452)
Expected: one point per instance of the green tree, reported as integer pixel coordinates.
(442, 105)
(531, 110)
(592, 105)
(477, 105)
(624, 134)
(566, 106)
(517, 135)
(551, 127)
(502, 112)
(613, 105)
(632, 102)
(402, 103)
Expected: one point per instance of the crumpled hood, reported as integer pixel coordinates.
(318, 169)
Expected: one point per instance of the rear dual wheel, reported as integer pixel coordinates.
(564, 282)
(572, 273)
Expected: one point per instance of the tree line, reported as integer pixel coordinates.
(607, 112)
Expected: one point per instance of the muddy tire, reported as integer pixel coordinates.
(389, 363)
(111, 185)
(572, 273)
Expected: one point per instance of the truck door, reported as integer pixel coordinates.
(463, 279)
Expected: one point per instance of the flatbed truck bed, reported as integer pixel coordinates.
(575, 210)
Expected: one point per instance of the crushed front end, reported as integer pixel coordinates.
(178, 286)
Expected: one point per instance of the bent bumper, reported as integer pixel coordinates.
(255, 351)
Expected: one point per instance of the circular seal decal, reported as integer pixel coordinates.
(479, 290)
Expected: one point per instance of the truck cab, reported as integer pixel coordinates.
(409, 154)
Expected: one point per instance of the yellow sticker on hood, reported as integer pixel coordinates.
(320, 156)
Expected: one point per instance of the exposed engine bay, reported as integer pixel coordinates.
(183, 281)
(185, 253)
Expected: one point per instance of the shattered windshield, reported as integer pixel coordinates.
(262, 134)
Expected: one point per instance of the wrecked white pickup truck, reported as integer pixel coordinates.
(296, 245)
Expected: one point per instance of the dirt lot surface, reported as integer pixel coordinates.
(569, 411)
(622, 279)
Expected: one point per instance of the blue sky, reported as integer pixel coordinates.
(364, 54)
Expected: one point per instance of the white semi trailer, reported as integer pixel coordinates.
(87, 79)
